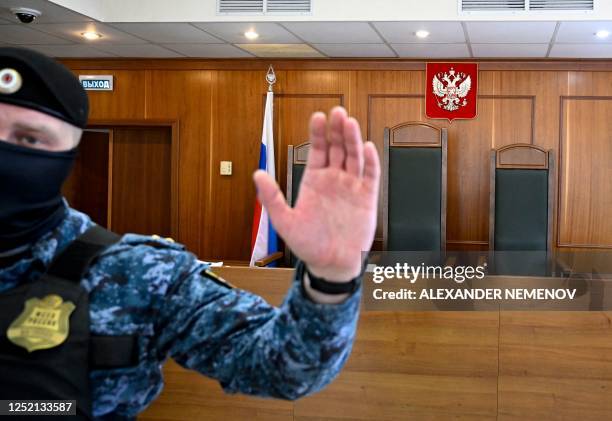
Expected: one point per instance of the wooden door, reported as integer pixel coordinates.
(141, 180)
(122, 179)
(86, 189)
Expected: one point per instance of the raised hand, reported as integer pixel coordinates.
(334, 219)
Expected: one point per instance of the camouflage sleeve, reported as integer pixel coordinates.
(250, 346)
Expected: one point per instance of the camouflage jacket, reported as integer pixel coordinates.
(155, 289)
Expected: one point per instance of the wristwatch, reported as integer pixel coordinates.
(325, 286)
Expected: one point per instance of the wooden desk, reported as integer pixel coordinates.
(429, 366)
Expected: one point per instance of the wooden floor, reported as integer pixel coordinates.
(429, 366)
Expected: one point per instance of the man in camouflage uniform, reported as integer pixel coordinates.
(155, 290)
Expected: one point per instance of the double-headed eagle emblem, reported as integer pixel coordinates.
(453, 96)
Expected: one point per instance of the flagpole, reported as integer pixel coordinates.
(264, 240)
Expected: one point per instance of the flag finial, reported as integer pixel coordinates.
(270, 78)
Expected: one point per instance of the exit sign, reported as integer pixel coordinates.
(96, 82)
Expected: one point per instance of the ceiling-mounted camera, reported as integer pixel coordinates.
(25, 15)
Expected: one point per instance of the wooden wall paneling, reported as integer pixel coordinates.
(512, 93)
(370, 85)
(297, 96)
(585, 192)
(291, 119)
(468, 147)
(141, 168)
(186, 97)
(577, 228)
(237, 115)
(126, 101)
(589, 83)
(513, 119)
(468, 177)
(546, 87)
(501, 120)
(312, 82)
(361, 64)
(300, 95)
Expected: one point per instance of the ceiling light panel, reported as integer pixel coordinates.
(583, 32)
(233, 32)
(73, 31)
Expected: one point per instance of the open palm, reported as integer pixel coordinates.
(334, 219)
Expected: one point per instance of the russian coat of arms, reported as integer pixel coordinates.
(451, 90)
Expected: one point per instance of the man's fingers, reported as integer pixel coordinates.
(273, 200)
(337, 152)
(319, 148)
(371, 169)
(354, 147)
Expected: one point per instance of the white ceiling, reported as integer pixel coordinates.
(232, 32)
(510, 32)
(321, 11)
(51, 13)
(334, 32)
(58, 33)
(433, 50)
(355, 50)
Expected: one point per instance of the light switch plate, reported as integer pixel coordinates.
(226, 168)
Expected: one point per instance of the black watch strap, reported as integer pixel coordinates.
(327, 287)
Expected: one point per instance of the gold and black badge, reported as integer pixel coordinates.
(43, 324)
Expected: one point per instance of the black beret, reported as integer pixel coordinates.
(32, 80)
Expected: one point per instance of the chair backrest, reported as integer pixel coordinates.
(414, 187)
(296, 164)
(521, 198)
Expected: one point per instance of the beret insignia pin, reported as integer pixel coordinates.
(10, 81)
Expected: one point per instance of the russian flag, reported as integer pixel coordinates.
(264, 240)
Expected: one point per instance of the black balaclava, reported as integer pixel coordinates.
(31, 201)
(30, 179)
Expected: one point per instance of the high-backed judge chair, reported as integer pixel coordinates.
(296, 164)
(521, 206)
(414, 187)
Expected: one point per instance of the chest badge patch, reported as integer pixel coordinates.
(43, 323)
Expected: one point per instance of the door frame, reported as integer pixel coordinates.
(173, 124)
